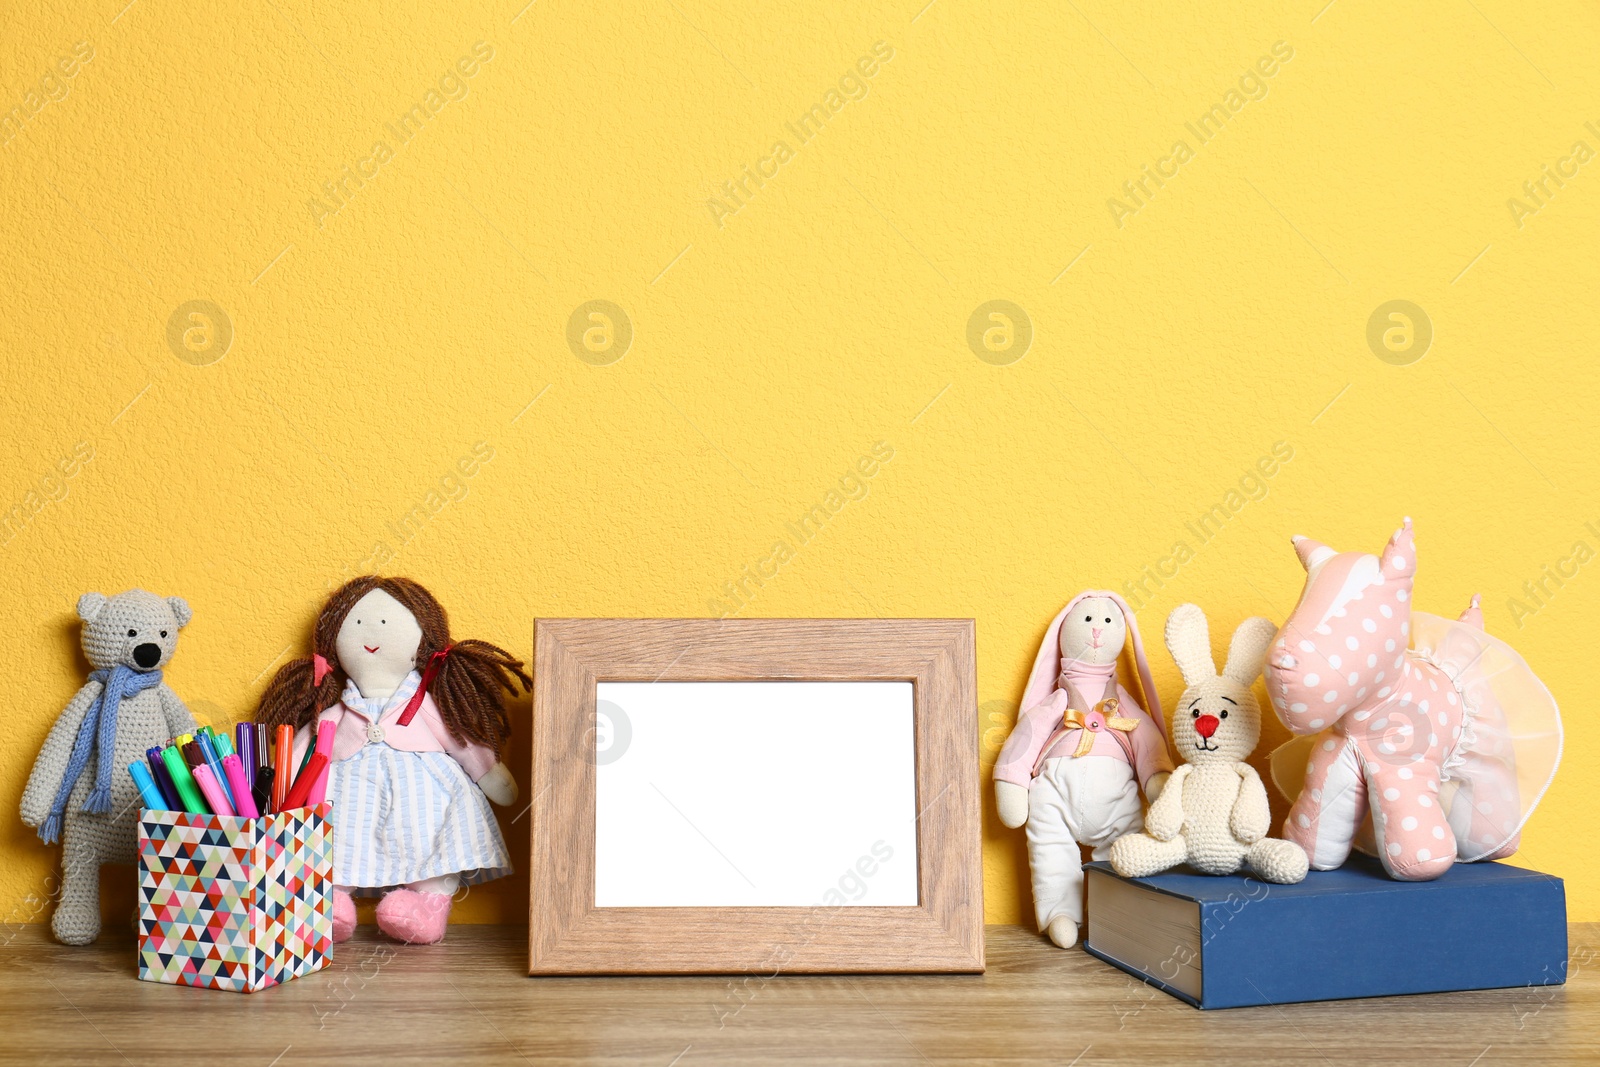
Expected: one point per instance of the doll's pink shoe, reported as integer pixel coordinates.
(413, 917)
(344, 916)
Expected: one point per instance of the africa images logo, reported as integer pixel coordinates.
(853, 84)
(452, 85)
(1251, 85)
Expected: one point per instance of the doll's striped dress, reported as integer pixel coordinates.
(402, 817)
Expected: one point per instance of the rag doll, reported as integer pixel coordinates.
(1425, 755)
(420, 720)
(1213, 812)
(1072, 767)
(80, 791)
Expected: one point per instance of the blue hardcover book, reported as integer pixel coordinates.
(1235, 941)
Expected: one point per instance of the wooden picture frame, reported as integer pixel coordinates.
(943, 932)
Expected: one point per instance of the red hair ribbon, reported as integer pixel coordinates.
(435, 661)
(319, 669)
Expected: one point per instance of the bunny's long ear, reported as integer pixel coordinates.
(1189, 641)
(1152, 699)
(1047, 664)
(1247, 652)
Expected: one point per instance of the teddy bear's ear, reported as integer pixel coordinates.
(1248, 649)
(1189, 641)
(180, 610)
(90, 605)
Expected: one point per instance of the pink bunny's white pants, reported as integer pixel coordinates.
(1090, 800)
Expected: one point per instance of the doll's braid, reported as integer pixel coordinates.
(474, 677)
(469, 691)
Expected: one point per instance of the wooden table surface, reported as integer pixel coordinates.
(469, 999)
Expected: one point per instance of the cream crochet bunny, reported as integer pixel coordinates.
(1213, 812)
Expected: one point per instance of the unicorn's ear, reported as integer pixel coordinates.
(90, 605)
(1189, 641)
(1400, 554)
(1310, 552)
(1248, 649)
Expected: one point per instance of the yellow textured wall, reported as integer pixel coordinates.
(380, 328)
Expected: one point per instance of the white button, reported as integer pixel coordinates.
(374, 732)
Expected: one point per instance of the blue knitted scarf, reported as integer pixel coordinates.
(98, 734)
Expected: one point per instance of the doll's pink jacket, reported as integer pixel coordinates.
(425, 733)
(1020, 756)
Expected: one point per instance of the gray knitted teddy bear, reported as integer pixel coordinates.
(80, 791)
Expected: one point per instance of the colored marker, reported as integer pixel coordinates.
(213, 791)
(302, 786)
(208, 749)
(234, 769)
(319, 782)
(183, 782)
(222, 743)
(305, 760)
(194, 756)
(147, 786)
(281, 758)
(163, 779)
(306, 776)
(261, 792)
(244, 743)
(221, 746)
(319, 787)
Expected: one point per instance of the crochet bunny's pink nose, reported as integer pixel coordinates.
(1206, 725)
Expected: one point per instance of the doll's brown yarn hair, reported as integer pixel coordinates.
(469, 688)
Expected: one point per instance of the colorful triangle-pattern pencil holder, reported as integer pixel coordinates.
(233, 903)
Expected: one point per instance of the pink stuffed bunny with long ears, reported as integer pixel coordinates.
(1083, 747)
(1431, 742)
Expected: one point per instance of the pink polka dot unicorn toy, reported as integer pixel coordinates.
(1431, 742)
